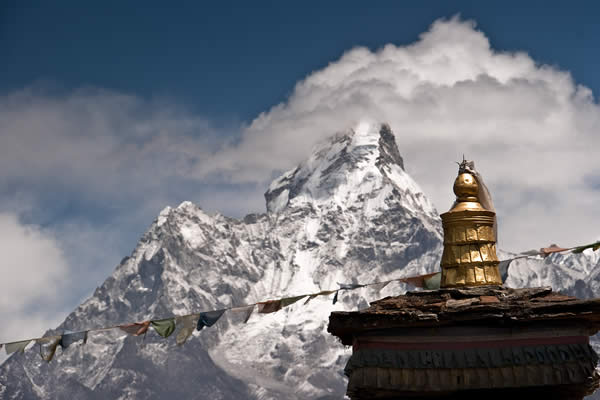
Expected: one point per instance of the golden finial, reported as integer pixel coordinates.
(469, 257)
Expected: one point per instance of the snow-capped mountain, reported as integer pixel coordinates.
(349, 213)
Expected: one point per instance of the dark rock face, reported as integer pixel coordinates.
(387, 142)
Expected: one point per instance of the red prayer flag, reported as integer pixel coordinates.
(546, 251)
(136, 329)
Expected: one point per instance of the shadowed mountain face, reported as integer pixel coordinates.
(349, 213)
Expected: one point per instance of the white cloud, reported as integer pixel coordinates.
(34, 271)
(532, 131)
(103, 143)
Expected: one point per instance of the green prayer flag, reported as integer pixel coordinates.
(594, 246)
(188, 324)
(164, 327)
(16, 346)
(290, 300)
(432, 282)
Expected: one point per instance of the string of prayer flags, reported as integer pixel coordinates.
(246, 311)
(188, 323)
(269, 306)
(594, 246)
(52, 343)
(68, 338)
(208, 319)
(164, 327)
(136, 329)
(16, 346)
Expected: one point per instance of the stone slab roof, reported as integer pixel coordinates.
(484, 305)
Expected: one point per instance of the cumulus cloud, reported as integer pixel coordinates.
(102, 141)
(531, 129)
(34, 271)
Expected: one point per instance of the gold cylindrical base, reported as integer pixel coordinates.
(471, 275)
(469, 257)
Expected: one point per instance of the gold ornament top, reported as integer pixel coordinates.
(469, 257)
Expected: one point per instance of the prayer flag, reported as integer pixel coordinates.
(54, 342)
(530, 253)
(321, 293)
(69, 338)
(164, 327)
(349, 286)
(188, 323)
(379, 286)
(546, 251)
(416, 281)
(503, 268)
(270, 306)
(248, 310)
(593, 246)
(432, 281)
(290, 300)
(208, 319)
(136, 329)
(16, 346)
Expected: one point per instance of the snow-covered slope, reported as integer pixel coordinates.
(348, 213)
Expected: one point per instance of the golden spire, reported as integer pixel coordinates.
(469, 257)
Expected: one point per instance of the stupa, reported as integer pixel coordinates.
(473, 337)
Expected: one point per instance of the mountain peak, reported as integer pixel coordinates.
(346, 168)
(389, 152)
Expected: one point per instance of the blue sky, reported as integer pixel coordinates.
(110, 112)
(232, 60)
